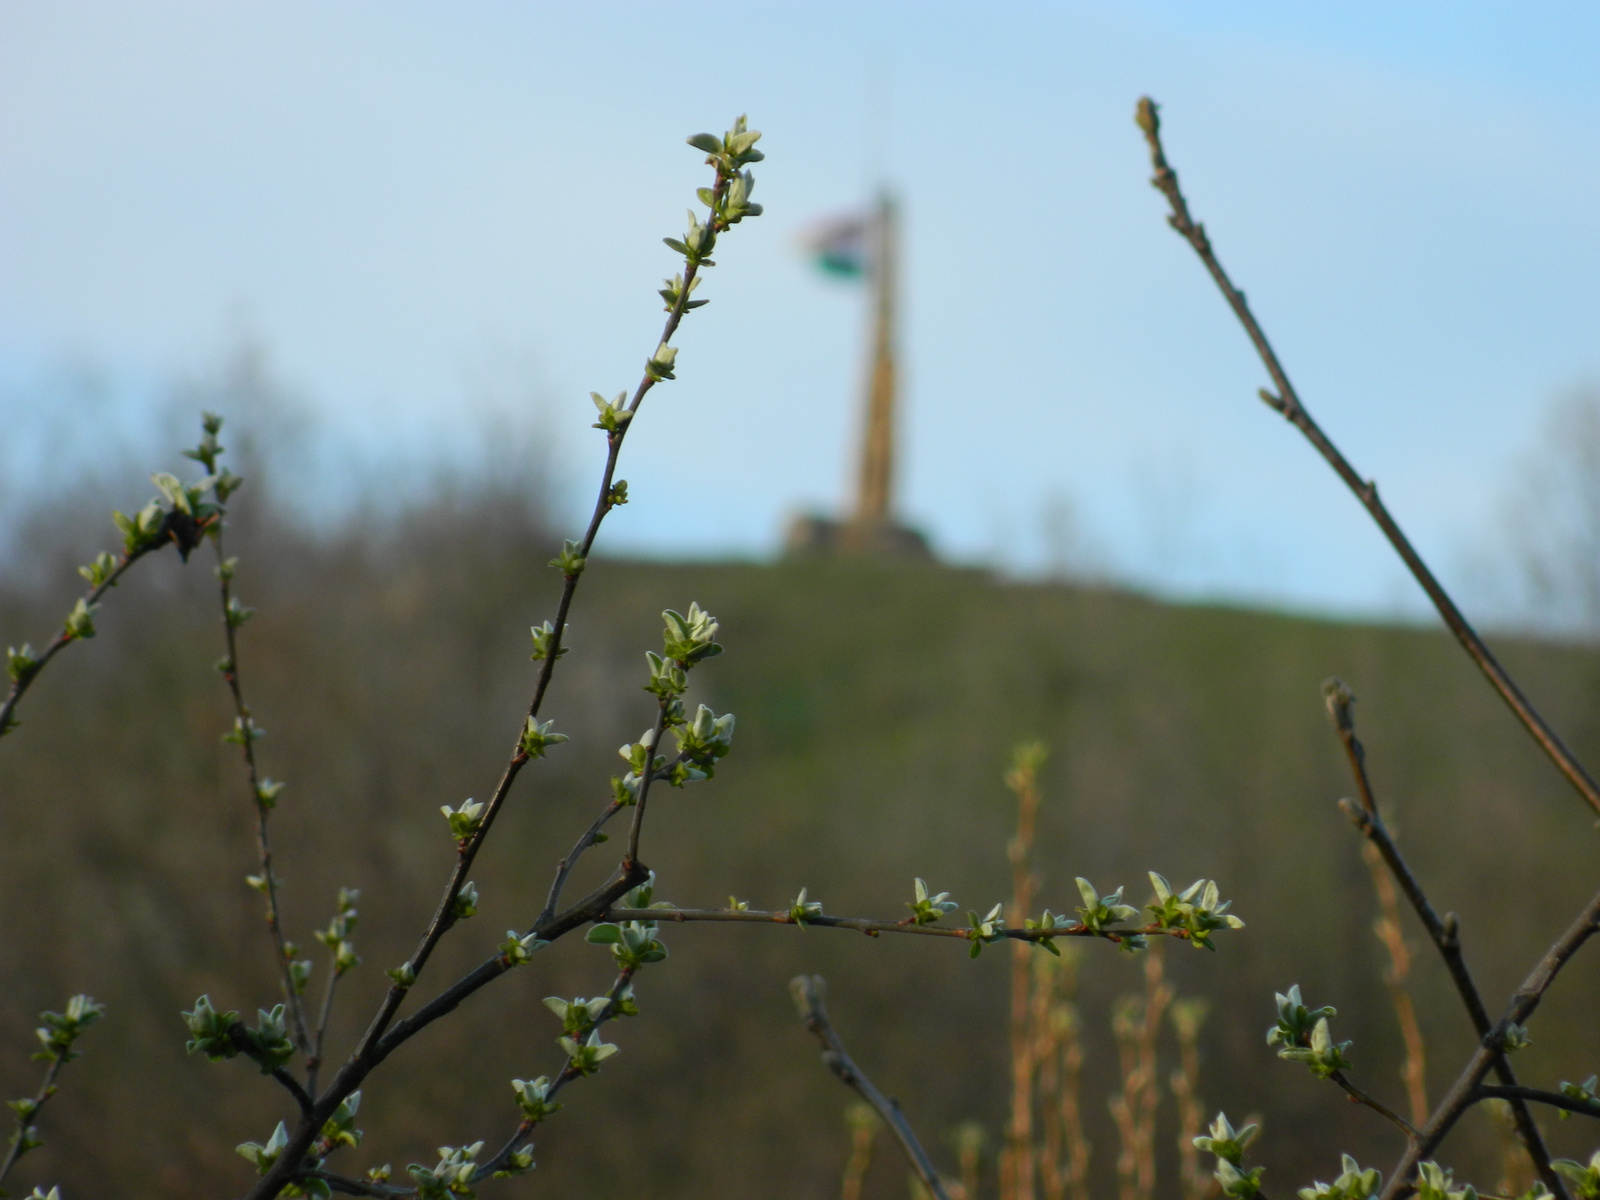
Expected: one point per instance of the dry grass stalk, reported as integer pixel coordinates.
(1136, 1023)
(1414, 1070)
(968, 1139)
(864, 1125)
(1187, 1017)
(1017, 1159)
(1063, 1150)
(1516, 1168)
(1068, 1109)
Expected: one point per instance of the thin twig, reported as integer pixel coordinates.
(807, 990)
(302, 1098)
(245, 728)
(594, 907)
(24, 1123)
(872, 927)
(347, 1186)
(1287, 403)
(379, 1039)
(564, 867)
(1358, 1096)
(1444, 934)
(1466, 1091)
(444, 917)
(63, 639)
(1587, 1108)
(565, 1076)
(314, 1059)
(356, 1069)
(645, 780)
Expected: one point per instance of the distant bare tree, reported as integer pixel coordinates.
(1551, 519)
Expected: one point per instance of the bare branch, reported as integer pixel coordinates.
(261, 800)
(314, 1059)
(302, 1098)
(1466, 1089)
(1287, 403)
(645, 780)
(564, 867)
(20, 1143)
(605, 501)
(1585, 1108)
(347, 1186)
(24, 677)
(807, 990)
(557, 1085)
(1360, 1097)
(873, 927)
(1445, 934)
(358, 1067)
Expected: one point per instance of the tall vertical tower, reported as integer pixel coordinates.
(875, 483)
(871, 529)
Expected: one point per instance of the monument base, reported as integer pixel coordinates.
(812, 536)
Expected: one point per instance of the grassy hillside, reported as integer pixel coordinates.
(876, 710)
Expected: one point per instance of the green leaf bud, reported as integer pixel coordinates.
(212, 1030)
(536, 737)
(570, 562)
(464, 821)
(544, 637)
(80, 621)
(263, 1157)
(926, 909)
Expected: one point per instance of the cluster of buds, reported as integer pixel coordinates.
(1198, 910)
(453, 1176)
(1229, 1144)
(926, 909)
(337, 937)
(1302, 1035)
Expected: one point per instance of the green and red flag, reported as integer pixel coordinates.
(840, 246)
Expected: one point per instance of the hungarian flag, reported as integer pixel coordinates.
(841, 245)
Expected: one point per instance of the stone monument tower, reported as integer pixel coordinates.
(872, 529)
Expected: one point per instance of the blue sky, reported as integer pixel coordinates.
(421, 211)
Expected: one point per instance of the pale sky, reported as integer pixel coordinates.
(414, 205)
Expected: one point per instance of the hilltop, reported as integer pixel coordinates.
(876, 709)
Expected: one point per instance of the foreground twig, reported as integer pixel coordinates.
(24, 1137)
(262, 796)
(58, 1034)
(564, 867)
(728, 202)
(807, 991)
(1538, 1096)
(1444, 934)
(314, 1059)
(566, 1075)
(873, 927)
(1357, 1096)
(1287, 403)
(1467, 1089)
(24, 667)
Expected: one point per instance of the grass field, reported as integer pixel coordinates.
(876, 709)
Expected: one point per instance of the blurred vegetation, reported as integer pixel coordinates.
(877, 708)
